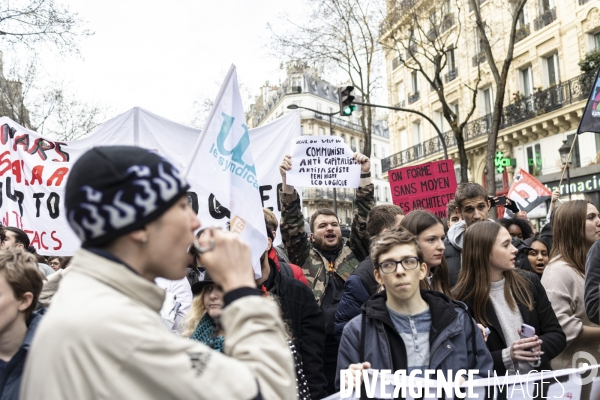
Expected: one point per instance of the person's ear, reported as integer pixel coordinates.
(139, 236)
(26, 301)
(270, 244)
(312, 237)
(377, 275)
(422, 271)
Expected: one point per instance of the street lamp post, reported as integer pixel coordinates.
(564, 152)
(330, 115)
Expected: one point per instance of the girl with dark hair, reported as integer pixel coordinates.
(575, 228)
(429, 231)
(15, 238)
(503, 298)
(517, 227)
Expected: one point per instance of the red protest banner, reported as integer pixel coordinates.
(427, 186)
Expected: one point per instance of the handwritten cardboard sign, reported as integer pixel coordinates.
(427, 186)
(322, 161)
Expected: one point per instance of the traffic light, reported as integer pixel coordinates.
(345, 97)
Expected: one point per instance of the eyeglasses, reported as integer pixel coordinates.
(409, 263)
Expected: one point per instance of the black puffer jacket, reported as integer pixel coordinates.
(305, 320)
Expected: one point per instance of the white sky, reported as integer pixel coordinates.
(163, 55)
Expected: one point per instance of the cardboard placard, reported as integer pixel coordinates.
(323, 161)
(428, 186)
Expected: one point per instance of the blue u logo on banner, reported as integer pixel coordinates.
(240, 148)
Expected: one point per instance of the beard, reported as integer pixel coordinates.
(321, 245)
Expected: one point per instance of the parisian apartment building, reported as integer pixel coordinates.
(545, 95)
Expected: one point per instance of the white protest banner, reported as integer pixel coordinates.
(50, 233)
(269, 144)
(223, 160)
(323, 161)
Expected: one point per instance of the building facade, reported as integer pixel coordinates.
(544, 100)
(304, 89)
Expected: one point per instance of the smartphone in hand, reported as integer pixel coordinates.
(527, 331)
(501, 201)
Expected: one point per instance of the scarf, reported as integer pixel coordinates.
(205, 333)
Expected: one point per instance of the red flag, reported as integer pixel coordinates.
(527, 191)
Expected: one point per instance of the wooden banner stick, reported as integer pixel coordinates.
(568, 161)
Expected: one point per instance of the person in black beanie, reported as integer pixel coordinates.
(129, 208)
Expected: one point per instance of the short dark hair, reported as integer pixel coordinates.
(469, 190)
(382, 217)
(451, 208)
(521, 223)
(322, 211)
(21, 237)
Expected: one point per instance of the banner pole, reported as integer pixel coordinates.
(186, 171)
(567, 163)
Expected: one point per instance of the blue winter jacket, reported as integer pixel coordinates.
(359, 287)
(455, 342)
(10, 380)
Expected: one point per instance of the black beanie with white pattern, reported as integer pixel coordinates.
(115, 190)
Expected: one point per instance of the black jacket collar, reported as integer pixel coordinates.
(441, 308)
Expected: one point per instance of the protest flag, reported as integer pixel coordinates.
(222, 163)
(590, 121)
(527, 191)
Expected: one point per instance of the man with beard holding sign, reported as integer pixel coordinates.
(326, 258)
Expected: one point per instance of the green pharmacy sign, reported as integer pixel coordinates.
(502, 162)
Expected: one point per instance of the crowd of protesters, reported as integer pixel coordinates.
(153, 307)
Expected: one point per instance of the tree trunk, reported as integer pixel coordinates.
(462, 154)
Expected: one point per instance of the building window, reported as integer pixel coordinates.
(318, 106)
(552, 71)
(415, 82)
(416, 133)
(526, 81)
(403, 140)
(487, 101)
(401, 94)
(376, 170)
(352, 144)
(376, 193)
(382, 152)
(361, 145)
(597, 40)
(438, 118)
(302, 129)
(321, 132)
(451, 55)
(575, 157)
(534, 159)
(374, 149)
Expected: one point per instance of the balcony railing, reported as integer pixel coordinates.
(434, 86)
(545, 19)
(396, 62)
(539, 103)
(478, 59)
(401, 104)
(413, 97)
(522, 32)
(451, 75)
(582, 2)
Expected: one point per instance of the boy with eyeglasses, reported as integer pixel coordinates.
(406, 328)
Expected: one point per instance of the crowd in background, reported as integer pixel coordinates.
(150, 307)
